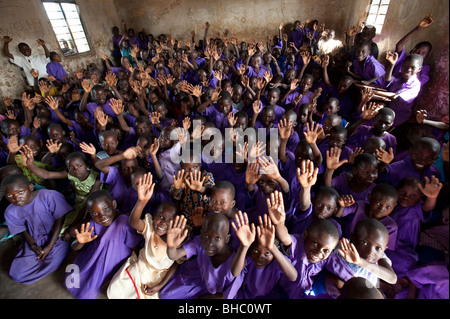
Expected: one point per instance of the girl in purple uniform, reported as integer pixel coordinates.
(39, 216)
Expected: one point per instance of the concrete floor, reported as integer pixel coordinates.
(49, 287)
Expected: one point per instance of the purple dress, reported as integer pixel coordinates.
(91, 107)
(57, 70)
(260, 283)
(38, 218)
(407, 93)
(364, 132)
(396, 171)
(100, 259)
(371, 68)
(408, 219)
(306, 270)
(340, 183)
(206, 279)
(297, 37)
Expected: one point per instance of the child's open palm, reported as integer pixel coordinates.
(307, 173)
(179, 180)
(53, 147)
(348, 251)
(177, 232)
(333, 156)
(285, 129)
(85, 234)
(245, 232)
(251, 174)
(195, 182)
(431, 188)
(145, 187)
(266, 232)
(275, 207)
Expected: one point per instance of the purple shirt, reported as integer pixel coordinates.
(423, 74)
(407, 93)
(364, 132)
(57, 70)
(396, 171)
(219, 119)
(297, 37)
(370, 69)
(340, 183)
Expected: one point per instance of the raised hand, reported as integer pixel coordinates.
(269, 168)
(179, 180)
(431, 188)
(88, 149)
(131, 152)
(346, 200)
(257, 107)
(383, 156)
(100, 116)
(85, 234)
(154, 147)
(53, 147)
(333, 156)
(245, 232)
(348, 251)
(198, 216)
(116, 105)
(421, 116)
(251, 174)
(266, 232)
(369, 111)
(13, 144)
(177, 231)
(154, 117)
(285, 129)
(392, 57)
(51, 102)
(426, 22)
(145, 187)
(307, 174)
(87, 86)
(312, 133)
(275, 206)
(195, 182)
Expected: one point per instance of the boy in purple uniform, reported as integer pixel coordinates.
(55, 68)
(39, 216)
(366, 68)
(213, 278)
(405, 85)
(218, 113)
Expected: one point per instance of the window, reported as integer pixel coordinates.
(65, 20)
(377, 14)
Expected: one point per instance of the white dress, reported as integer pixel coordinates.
(148, 269)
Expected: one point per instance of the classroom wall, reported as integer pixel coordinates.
(25, 20)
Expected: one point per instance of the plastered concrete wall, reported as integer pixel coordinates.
(26, 21)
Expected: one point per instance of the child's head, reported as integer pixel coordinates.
(267, 184)
(320, 239)
(325, 202)
(102, 207)
(164, 214)
(267, 116)
(215, 234)
(191, 163)
(142, 125)
(260, 254)
(331, 121)
(372, 144)
(241, 120)
(338, 136)
(55, 57)
(99, 94)
(331, 106)
(362, 51)
(383, 121)
(161, 108)
(306, 83)
(382, 201)
(345, 83)
(424, 152)
(225, 103)
(409, 193)
(273, 95)
(370, 238)
(56, 133)
(10, 127)
(303, 113)
(144, 141)
(17, 189)
(303, 152)
(78, 165)
(108, 141)
(221, 199)
(365, 169)
(137, 174)
(237, 93)
(291, 117)
(412, 65)
(422, 48)
(33, 143)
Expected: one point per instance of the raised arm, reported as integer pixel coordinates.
(424, 23)
(175, 236)
(145, 192)
(6, 41)
(246, 233)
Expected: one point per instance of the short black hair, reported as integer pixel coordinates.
(324, 225)
(14, 179)
(385, 189)
(98, 194)
(226, 185)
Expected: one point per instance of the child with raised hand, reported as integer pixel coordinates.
(423, 48)
(135, 280)
(366, 252)
(39, 216)
(263, 178)
(105, 242)
(411, 211)
(262, 273)
(379, 205)
(83, 179)
(191, 187)
(366, 68)
(359, 182)
(212, 277)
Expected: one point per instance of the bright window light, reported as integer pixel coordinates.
(377, 14)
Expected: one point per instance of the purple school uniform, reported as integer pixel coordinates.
(205, 280)
(297, 37)
(358, 209)
(169, 167)
(278, 110)
(100, 259)
(364, 132)
(423, 74)
(409, 221)
(252, 72)
(219, 119)
(57, 70)
(431, 280)
(324, 147)
(38, 218)
(371, 68)
(292, 142)
(91, 107)
(396, 171)
(407, 93)
(260, 283)
(259, 206)
(306, 270)
(291, 97)
(340, 183)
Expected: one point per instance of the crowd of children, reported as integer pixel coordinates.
(332, 203)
